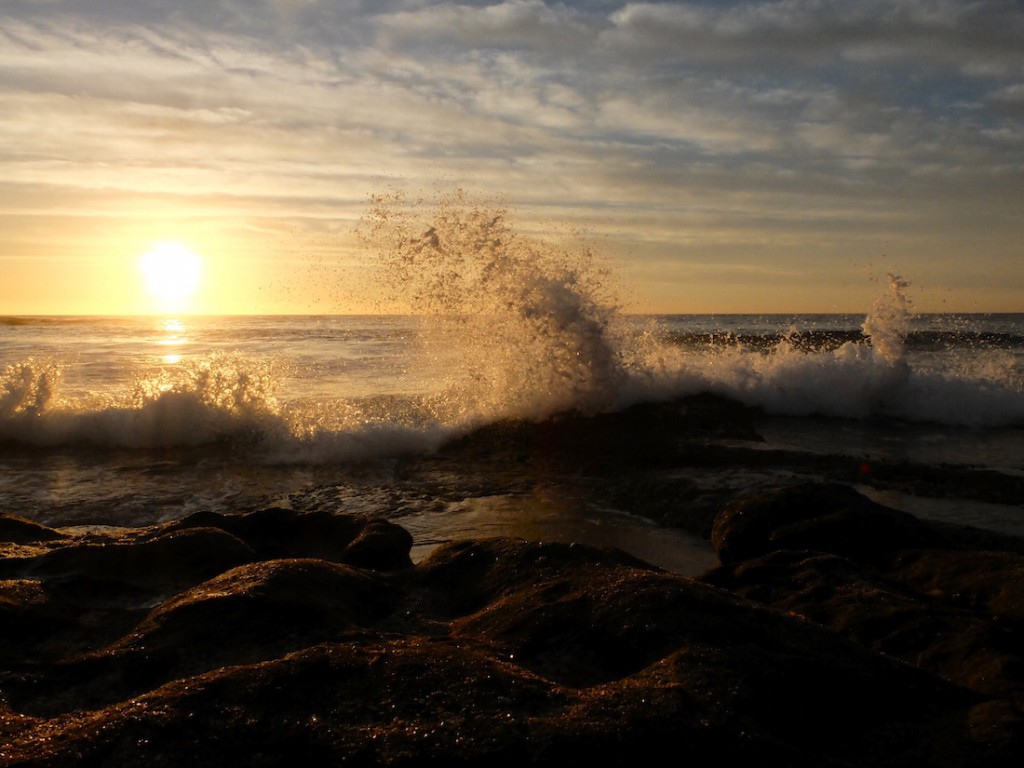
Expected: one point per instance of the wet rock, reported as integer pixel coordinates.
(505, 652)
(878, 610)
(99, 587)
(463, 576)
(87, 594)
(647, 435)
(431, 701)
(934, 596)
(251, 613)
(822, 516)
(286, 533)
(179, 557)
(258, 603)
(29, 617)
(989, 581)
(380, 545)
(670, 500)
(18, 530)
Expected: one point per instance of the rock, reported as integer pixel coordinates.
(463, 576)
(286, 533)
(18, 530)
(931, 595)
(877, 609)
(646, 435)
(826, 517)
(121, 575)
(672, 501)
(89, 594)
(252, 613)
(380, 545)
(256, 605)
(506, 652)
(179, 558)
(29, 617)
(979, 579)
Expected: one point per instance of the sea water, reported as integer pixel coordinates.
(131, 421)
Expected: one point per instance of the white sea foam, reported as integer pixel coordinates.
(873, 378)
(217, 399)
(225, 400)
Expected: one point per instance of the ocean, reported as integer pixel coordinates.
(138, 420)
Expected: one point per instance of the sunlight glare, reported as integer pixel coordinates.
(172, 272)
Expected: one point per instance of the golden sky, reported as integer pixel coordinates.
(724, 156)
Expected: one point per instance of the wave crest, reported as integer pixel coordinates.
(27, 388)
(222, 398)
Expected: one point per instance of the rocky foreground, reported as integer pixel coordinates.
(834, 633)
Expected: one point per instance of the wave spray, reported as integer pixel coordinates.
(526, 327)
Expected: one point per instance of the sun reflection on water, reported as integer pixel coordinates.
(173, 334)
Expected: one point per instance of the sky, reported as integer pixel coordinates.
(723, 156)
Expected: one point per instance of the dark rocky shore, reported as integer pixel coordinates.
(834, 632)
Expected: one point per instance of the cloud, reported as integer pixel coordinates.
(801, 32)
(513, 25)
(666, 122)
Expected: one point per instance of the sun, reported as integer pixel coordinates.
(172, 272)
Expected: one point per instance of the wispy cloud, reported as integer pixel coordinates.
(803, 122)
